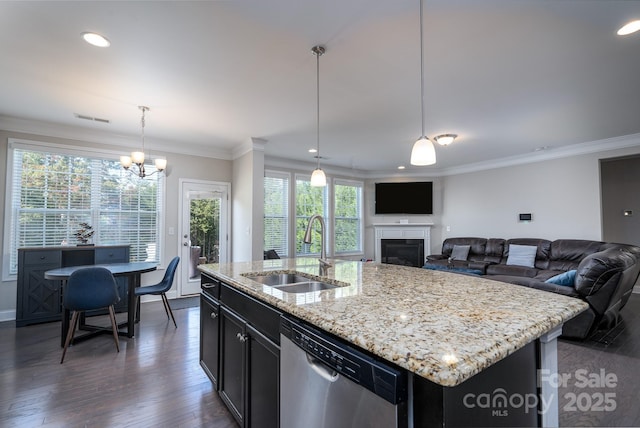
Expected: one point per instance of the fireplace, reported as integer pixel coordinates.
(405, 243)
(405, 252)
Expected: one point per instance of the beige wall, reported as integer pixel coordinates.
(563, 196)
(248, 207)
(179, 166)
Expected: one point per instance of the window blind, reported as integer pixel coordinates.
(276, 212)
(347, 216)
(53, 191)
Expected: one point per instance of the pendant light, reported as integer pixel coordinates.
(318, 179)
(423, 152)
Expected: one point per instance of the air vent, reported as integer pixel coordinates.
(95, 119)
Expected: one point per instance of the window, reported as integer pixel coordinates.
(51, 189)
(276, 212)
(309, 201)
(347, 216)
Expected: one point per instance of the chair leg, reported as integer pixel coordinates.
(114, 326)
(167, 309)
(70, 333)
(137, 309)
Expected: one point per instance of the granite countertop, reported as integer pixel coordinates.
(442, 326)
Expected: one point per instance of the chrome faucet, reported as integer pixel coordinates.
(324, 263)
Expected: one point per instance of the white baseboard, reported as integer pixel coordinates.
(9, 315)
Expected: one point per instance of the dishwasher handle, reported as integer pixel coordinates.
(321, 369)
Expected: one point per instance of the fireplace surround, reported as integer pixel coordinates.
(402, 238)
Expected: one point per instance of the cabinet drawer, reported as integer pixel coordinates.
(111, 255)
(210, 286)
(42, 257)
(264, 318)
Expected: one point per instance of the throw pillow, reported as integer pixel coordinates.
(522, 255)
(460, 252)
(566, 278)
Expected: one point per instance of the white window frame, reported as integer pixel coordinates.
(327, 198)
(39, 146)
(350, 183)
(287, 213)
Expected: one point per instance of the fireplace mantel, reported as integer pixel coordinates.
(401, 231)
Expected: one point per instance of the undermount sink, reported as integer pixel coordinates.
(291, 282)
(279, 279)
(305, 287)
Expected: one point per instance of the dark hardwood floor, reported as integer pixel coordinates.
(156, 379)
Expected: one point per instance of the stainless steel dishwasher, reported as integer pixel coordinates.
(327, 383)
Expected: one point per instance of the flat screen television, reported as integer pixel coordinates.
(404, 198)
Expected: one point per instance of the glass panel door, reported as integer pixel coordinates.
(204, 230)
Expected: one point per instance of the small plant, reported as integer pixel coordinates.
(84, 233)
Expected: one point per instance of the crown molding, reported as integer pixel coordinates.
(253, 144)
(299, 166)
(77, 133)
(590, 147)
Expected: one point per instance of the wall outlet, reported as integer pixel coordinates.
(448, 228)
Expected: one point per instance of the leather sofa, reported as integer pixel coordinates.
(605, 273)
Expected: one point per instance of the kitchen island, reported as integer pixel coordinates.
(446, 330)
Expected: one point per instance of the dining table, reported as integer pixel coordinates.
(132, 271)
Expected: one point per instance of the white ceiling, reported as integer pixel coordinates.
(508, 76)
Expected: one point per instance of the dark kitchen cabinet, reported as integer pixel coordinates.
(209, 338)
(248, 363)
(233, 371)
(263, 380)
(39, 299)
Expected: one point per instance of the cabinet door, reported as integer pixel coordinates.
(38, 299)
(209, 336)
(41, 297)
(233, 363)
(263, 381)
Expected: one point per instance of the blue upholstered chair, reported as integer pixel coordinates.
(160, 289)
(87, 289)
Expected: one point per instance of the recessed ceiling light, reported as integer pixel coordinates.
(629, 28)
(96, 39)
(313, 151)
(401, 167)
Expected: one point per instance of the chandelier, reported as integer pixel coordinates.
(137, 158)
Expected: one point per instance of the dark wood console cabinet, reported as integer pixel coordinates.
(39, 299)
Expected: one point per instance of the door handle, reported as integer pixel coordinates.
(241, 337)
(321, 369)
(214, 315)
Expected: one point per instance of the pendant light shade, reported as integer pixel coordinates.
(318, 179)
(423, 152)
